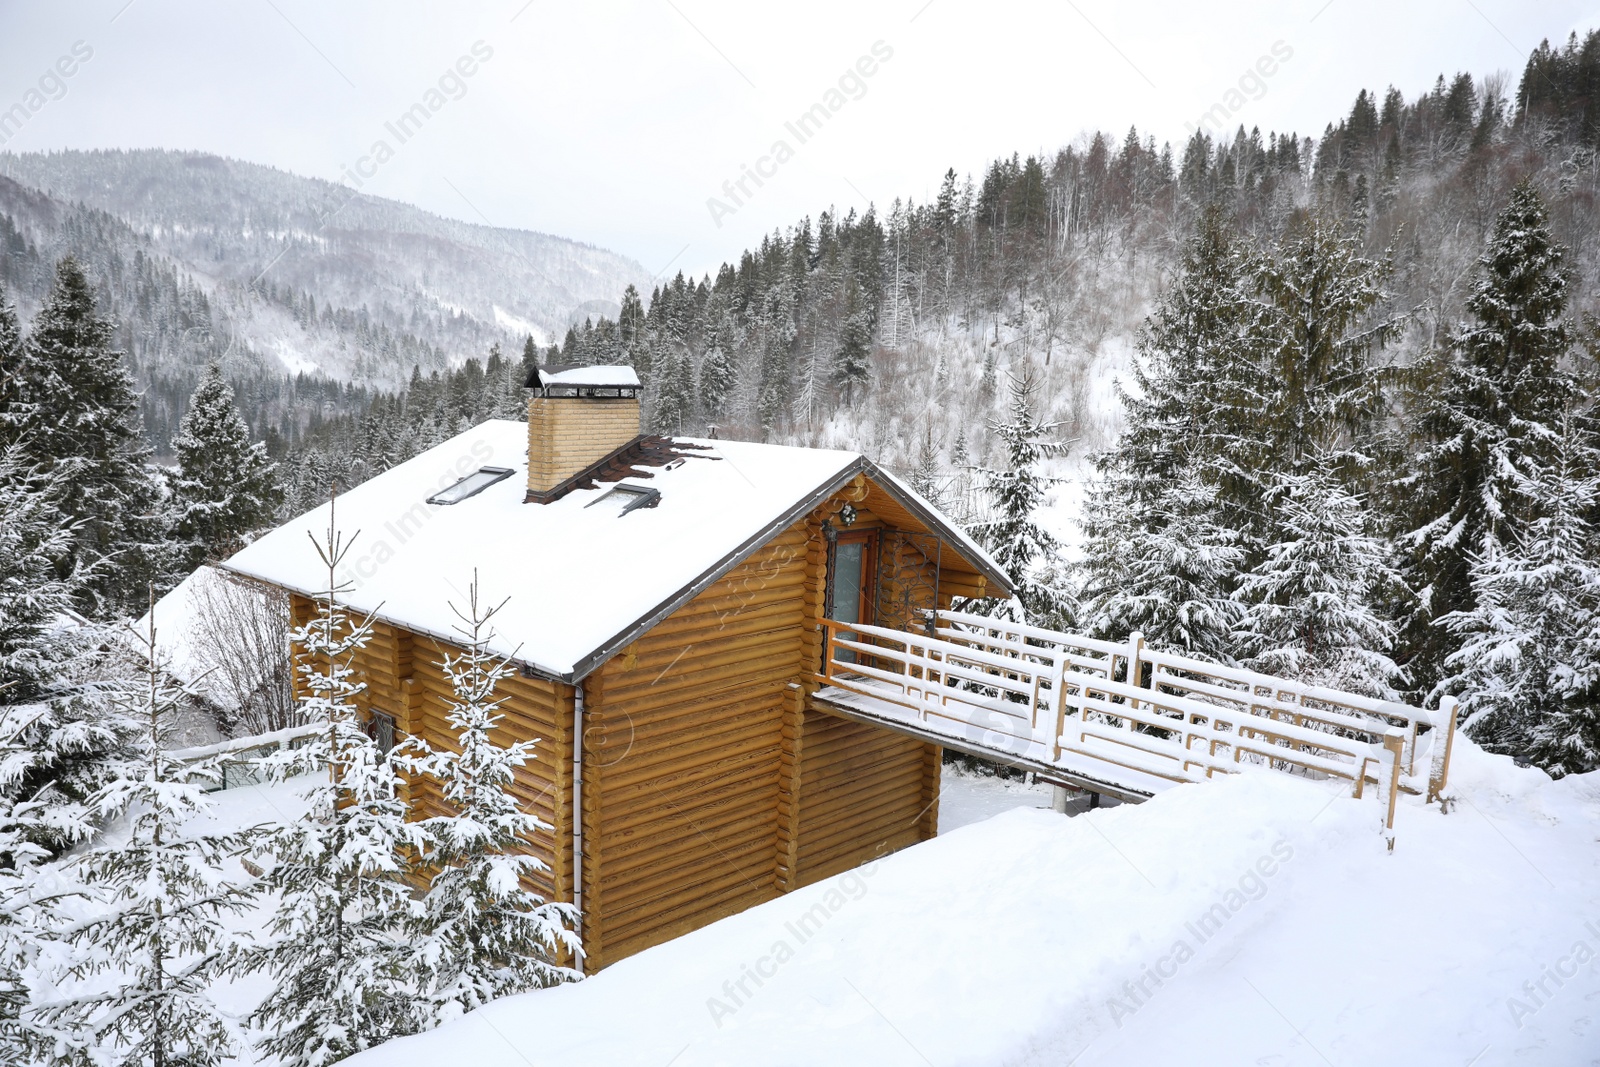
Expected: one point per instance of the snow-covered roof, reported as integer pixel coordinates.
(603, 375)
(582, 581)
(177, 621)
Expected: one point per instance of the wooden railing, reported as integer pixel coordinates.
(237, 758)
(1048, 696)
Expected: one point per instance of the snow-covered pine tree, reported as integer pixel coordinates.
(335, 944)
(1322, 319)
(1200, 380)
(1528, 666)
(925, 475)
(72, 407)
(717, 372)
(1170, 521)
(37, 819)
(225, 487)
(64, 738)
(1028, 552)
(1167, 572)
(31, 895)
(155, 936)
(851, 356)
(10, 354)
(1312, 598)
(1487, 413)
(481, 933)
(674, 387)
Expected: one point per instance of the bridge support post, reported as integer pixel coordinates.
(1058, 798)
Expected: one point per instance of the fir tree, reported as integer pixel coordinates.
(225, 488)
(718, 375)
(10, 367)
(72, 407)
(1176, 510)
(35, 542)
(850, 358)
(160, 898)
(1528, 667)
(1169, 577)
(1321, 392)
(674, 388)
(1487, 411)
(63, 739)
(925, 476)
(1200, 381)
(1311, 599)
(480, 933)
(1024, 549)
(335, 947)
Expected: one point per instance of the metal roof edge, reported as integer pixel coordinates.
(379, 615)
(594, 660)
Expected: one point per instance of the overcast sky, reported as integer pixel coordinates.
(614, 123)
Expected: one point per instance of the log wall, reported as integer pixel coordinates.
(710, 784)
(682, 757)
(405, 678)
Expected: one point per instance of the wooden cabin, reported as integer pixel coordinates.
(665, 600)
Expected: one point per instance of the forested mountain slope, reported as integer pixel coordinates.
(196, 256)
(891, 328)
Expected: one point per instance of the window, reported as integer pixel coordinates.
(471, 485)
(381, 730)
(626, 498)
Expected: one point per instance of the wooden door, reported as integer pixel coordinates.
(852, 580)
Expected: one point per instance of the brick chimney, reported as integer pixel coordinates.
(576, 418)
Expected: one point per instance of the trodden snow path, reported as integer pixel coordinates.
(1253, 919)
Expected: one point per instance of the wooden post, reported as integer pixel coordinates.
(827, 649)
(1058, 687)
(1394, 741)
(1444, 734)
(1135, 658)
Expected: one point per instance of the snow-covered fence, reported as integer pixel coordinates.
(238, 757)
(1050, 696)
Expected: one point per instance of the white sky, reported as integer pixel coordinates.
(613, 123)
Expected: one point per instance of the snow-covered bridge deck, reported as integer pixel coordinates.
(1119, 719)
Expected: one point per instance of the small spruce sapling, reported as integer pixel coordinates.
(156, 932)
(480, 933)
(335, 945)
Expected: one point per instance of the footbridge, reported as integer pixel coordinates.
(1122, 719)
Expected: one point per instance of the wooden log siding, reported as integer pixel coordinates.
(856, 791)
(710, 784)
(404, 676)
(683, 755)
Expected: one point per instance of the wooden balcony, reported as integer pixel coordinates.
(1120, 718)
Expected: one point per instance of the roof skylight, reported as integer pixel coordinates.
(628, 498)
(471, 485)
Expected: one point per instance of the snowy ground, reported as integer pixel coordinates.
(966, 797)
(1252, 920)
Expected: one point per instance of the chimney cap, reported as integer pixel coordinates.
(604, 380)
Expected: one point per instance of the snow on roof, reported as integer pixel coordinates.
(577, 577)
(176, 620)
(605, 375)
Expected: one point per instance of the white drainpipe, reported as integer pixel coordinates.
(577, 802)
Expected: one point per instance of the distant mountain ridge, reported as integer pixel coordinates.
(199, 256)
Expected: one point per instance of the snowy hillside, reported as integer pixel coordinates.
(1252, 920)
(197, 256)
